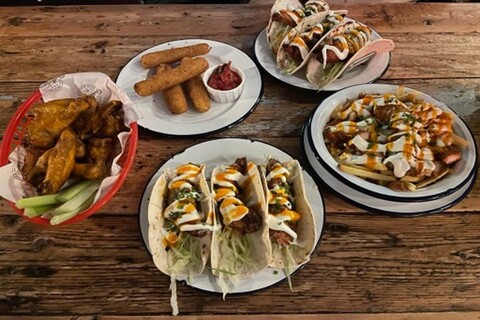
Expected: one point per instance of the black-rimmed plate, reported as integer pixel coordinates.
(224, 151)
(365, 73)
(155, 114)
(459, 176)
(373, 204)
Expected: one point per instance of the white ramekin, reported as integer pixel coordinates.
(224, 96)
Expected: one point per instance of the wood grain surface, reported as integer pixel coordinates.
(367, 266)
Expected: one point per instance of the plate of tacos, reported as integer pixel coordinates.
(309, 46)
(231, 216)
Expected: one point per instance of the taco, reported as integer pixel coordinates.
(296, 47)
(240, 240)
(286, 15)
(290, 218)
(180, 219)
(330, 56)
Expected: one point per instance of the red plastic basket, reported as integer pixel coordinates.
(13, 136)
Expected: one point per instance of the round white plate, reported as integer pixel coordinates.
(155, 114)
(461, 173)
(366, 73)
(377, 205)
(224, 151)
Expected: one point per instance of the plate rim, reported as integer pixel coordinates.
(314, 89)
(208, 132)
(252, 140)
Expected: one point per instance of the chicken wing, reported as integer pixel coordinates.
(99, 151)
(60, 163)
(52, 118)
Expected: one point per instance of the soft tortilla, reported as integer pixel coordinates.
(163, 258)
(306, 229)
(259, 240)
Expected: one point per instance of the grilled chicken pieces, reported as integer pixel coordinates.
(69, 137)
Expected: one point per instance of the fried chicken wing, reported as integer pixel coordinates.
(98, 152)
(107, 121)
(52, 118)
(61, 161)
(29, 161)
(84, 118)
(36, 174)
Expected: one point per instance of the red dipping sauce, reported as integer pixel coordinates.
(224, 78)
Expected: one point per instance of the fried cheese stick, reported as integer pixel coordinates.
(196, 91)
(174, 96)
(169, 78)
(154, 59)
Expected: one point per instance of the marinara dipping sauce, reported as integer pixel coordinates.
(224, 78)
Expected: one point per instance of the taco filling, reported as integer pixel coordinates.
(329, 59)
(301, 43)
(229, 192)
(285, 19)
(183, 214)
(282, 218)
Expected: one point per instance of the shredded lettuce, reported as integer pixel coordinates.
(329, 73)
(173, 297)
(186, 253)
(288, 259)
(290, 64)
(280, 32)
(236, 252)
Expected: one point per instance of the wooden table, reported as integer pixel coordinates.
(367, 266)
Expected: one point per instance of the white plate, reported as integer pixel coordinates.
(366, 73)
(377, 205)
(225, 151)
(157, 117)
(461, 173)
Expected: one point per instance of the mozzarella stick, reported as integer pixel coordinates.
(196, 91)
(174, 96)
(164, 80)
(154, 59)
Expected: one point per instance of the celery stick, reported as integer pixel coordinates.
(70, 214)
(79, 199)
(36, 211)
(37, 201)
(71, 191)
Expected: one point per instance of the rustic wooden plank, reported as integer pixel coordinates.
(462, 95)
(151, 153)
(336, 316)
(378, 265)
(150, 20)
(415, 55)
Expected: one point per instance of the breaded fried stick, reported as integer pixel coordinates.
(196, 91)
(157, 58)
(174, 96)
(169, 78)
